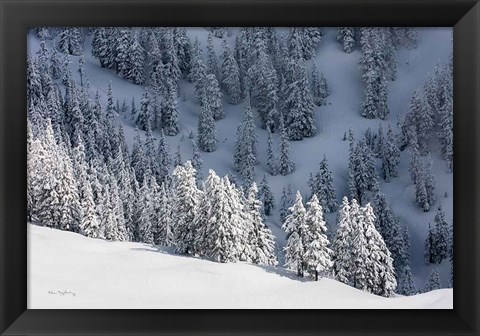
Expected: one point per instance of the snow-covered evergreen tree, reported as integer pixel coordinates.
(138, 159)
(170, 111)
(362, 173)
(296, 230)
(207, 141)
(197, 161)
(389, 228)
(266, 196)
(164, 217)
(286, 202)
(230, 79)
(380, 273)
(319, 87)
(346, 36)
(406, 285)
(271, 157)
(318, 256)
(342, 250)
(322, 187)
(147, 212)
(297, 102)
(374, 64)
(224, 244)
(212, 61)
(89, 223)
(70, 41)
(186, 200)
(433, 281)
(55, 66)
(145, 118)
(263, 86)
(213, 97)
(440, 246)
(263, 239)
(390, 155)
(245, 155)
(285, 164)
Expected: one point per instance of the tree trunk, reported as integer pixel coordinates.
(316, 275)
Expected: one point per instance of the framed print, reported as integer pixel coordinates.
(252, 167)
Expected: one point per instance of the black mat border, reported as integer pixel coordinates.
(16, 16)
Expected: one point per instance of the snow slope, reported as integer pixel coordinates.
(341, 113)
(68, 270)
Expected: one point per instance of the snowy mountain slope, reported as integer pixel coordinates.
(68, 270)
(341, 113)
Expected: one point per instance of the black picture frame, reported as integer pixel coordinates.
(16, 16)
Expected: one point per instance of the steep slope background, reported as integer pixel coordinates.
(341, 113)
(68, 270)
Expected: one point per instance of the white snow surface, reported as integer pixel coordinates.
(68, 270)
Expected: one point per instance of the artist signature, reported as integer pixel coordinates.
(62, 293)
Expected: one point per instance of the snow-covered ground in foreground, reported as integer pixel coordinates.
(68, 270)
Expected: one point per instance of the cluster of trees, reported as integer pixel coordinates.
(379, 47)
(439, 242)
(358, 255)
(361, 255)
(83, 177)
(321, 185)
(219, 220)
(407, 37)
(430, 115)
(307, 243)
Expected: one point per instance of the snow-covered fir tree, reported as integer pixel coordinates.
(406, 285)
(263, 86)
(146, 218)
(342, 250)
(433, 281)
(439, 242)
(207, 140)
(170, 110)
(272, 161)
(390, 155)
(266, 197)
(319, 86)
(70, 41)
(197, 161)
(317, 256)
(213, 97)
(285, 164)
(263, 239)
(380, 273)
(297, 102)
(322, 187)
(286, 202)
(296, 230)
(347, 37)
(245, 155)
(389, 227)
(374, 64)
(186, 200)
(362, 173)
(145, 118)
(212, 61)
(230, 79)
(164, 217)
(89, 223)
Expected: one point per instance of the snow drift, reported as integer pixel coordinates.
(68, 270)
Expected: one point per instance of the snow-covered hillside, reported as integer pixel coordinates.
(68, 270)
(122, 263)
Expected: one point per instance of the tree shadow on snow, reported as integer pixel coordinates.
(279, 271)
